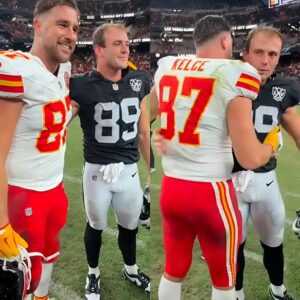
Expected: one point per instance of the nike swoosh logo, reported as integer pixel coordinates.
(5, 241)
(267, 184)
(133, 174)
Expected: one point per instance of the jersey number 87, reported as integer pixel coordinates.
(204, 88)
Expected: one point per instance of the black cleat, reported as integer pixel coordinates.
(140, 279)
(286, 296)
(92, 287)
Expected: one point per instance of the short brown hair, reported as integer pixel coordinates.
(208, 27)
(270, 31)
(98, 36)
(43, 6)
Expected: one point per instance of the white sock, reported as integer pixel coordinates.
(44, 284)
(223, 294)
(28, 297)
(240, 295)
(278, 289)
(95, 271)
(169, 289)
(131, 269)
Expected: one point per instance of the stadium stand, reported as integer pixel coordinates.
(169, 22)
(171, 27)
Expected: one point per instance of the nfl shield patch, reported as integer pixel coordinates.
(28, 211)
(136, 84)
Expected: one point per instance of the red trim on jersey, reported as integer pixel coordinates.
(247, 76)
(248, 82)
(11, 77)
(12, 89)
(247, 86)
(11, 84)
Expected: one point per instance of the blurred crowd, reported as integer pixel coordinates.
(163, 14)
(235, 16)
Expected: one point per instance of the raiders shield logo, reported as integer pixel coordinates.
(278, 93)
(136, 84)
(115, 86)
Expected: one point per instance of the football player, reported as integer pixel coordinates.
(34, 110)
(205, 107)
(258, 191)
(111, 104)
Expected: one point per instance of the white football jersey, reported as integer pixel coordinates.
(36, 157)
(194, 94)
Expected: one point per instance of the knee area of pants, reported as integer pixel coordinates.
(177, 272)
(178, 269)
(97, 226)
(127, 232)
(276, 247)
(94, 228)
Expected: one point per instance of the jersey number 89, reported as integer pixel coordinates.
(118, 112)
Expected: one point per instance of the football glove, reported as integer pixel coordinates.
(145, 214)
(296, 224)
(112, 172)
(274, 138)
(9, 242)
(241, 180)
(131, 65)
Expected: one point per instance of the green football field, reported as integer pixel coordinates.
(71, 269)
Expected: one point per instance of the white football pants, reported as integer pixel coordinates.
(125, 196)
(262, 202)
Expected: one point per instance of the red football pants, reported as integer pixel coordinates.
(38, 217)
(208, 211)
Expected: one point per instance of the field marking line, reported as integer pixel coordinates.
(63, 292)
(291, 194)
(254, 256)
(72, 178)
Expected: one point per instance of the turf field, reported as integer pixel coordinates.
(70, 271)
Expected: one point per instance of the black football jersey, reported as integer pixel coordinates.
(273, 99)
(109, 114)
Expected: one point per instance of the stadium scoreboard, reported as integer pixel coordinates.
(276, 3)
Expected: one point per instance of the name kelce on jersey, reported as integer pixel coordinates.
(109, 114)
(277, 95)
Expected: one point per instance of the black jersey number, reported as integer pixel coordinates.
(263, 112)
(107, 116)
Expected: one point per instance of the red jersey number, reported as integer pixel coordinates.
(204, 91)
(54, 135)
